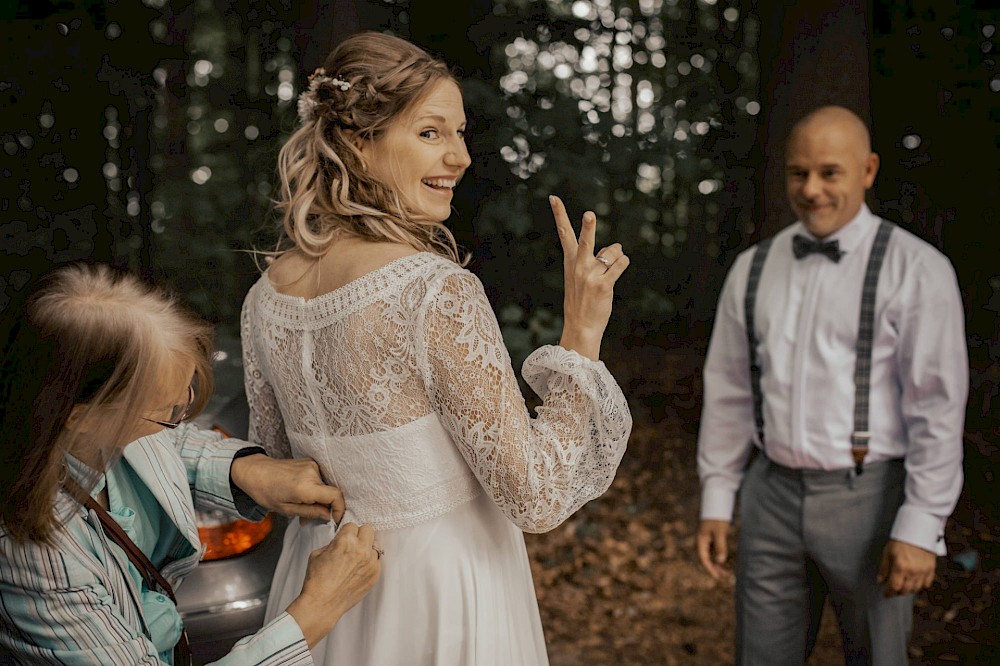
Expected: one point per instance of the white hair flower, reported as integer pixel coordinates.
(309, 100)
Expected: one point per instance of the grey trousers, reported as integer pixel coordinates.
(807, 535)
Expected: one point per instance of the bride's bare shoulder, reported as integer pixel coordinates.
(288, 266)
(353, 257)
(297, 274)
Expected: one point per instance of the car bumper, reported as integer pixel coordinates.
(224, 600)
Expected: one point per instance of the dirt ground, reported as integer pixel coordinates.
(619, 582)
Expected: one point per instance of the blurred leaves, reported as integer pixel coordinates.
(644, 113)
(145, 133)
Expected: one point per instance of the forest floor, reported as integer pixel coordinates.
(619, 583)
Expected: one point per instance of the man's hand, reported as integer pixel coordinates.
(713, 548)
(290, 487)
(905, 568)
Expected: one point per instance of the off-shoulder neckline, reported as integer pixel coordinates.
(417, 258)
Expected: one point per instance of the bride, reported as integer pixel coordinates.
(369, 348)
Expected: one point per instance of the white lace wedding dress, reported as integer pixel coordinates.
(399, 386)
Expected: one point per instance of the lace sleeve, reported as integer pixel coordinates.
(267, 427)
(539, 471)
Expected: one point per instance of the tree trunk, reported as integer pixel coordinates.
(811, 54)
(323, 25)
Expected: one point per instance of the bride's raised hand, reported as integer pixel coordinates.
(590, 281)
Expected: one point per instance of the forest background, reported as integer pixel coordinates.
(144, 134)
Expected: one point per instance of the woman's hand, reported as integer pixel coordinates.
(290, 487)
(338, 576)
(590, 282)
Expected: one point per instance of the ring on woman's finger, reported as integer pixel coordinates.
(603, 260)
(378, 551)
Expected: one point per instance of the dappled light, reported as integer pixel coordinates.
(635, 92)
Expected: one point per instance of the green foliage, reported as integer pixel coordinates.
(643, 112)
(75, 101)
(938, 175)
(638, 111)
(224, 111)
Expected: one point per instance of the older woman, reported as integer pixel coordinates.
(97, 471)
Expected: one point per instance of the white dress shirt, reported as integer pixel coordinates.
(807, 327)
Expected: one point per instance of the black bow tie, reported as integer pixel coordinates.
(803, 246)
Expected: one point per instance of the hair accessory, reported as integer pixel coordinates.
(308, 100)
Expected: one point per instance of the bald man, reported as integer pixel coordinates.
(842, 439)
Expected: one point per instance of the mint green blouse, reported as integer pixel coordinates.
(133, 507)
(72, 601)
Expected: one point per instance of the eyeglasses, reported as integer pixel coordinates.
(177, 414)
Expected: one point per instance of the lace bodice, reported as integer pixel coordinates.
(399, 385)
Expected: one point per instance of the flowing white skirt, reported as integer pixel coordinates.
(454, 591)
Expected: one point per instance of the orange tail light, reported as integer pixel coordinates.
(228, 539)
(224, 538)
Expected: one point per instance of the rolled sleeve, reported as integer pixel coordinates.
(208, 457)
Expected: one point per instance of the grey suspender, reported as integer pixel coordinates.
(866, 334)
(749, 305)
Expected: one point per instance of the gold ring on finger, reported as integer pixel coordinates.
(603, 260)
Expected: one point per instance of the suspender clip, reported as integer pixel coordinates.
(859, 449)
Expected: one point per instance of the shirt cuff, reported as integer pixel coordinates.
(280, 641)
(919, 529)
(718, 500)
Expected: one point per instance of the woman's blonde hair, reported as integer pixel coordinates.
(88, 337)
(367, 83)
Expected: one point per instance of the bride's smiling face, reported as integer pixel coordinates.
(423, 155)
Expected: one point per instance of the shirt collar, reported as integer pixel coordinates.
(84, 475)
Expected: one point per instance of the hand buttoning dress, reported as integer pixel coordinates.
(398, 384)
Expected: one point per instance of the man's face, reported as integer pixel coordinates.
(828, 168)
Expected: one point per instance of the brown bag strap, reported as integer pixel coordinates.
(148, 571)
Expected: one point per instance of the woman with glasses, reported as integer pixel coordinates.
(100, 476)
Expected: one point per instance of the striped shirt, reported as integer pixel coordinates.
(76, 603)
